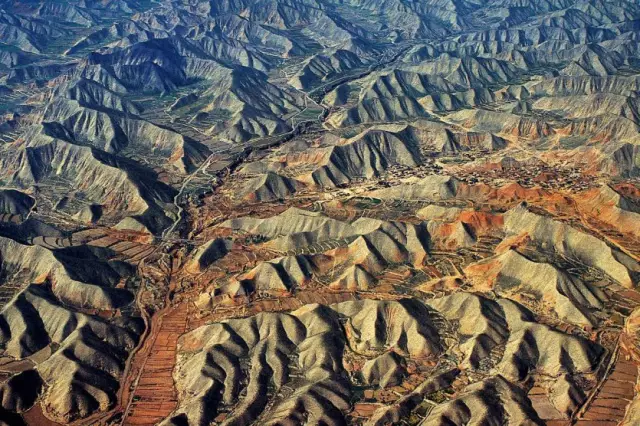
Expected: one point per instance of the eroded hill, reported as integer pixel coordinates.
(288, 212)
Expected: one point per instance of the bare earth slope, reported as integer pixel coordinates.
(319, 212)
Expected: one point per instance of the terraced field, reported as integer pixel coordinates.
(318, 212)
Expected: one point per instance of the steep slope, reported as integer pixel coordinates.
(269, 187)
(265, 352)
(87, 358)
(78, 275)
(563, 240)
(609, 206)
(211, 357)
(321, 212)
(91, 113)
(119, 185)
(512, 274)
(15, 203)
(493, 400)
(350, 255)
